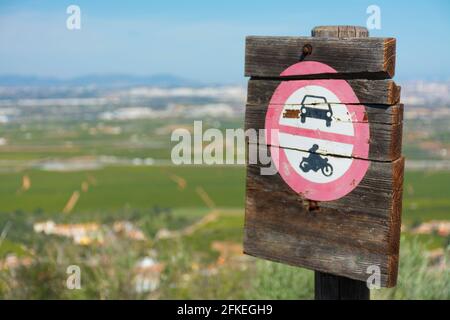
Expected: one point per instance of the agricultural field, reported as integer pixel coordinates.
(105, 197)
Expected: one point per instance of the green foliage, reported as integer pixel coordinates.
(106, 273)
(418, 279)
(277, 281)
(191, 269)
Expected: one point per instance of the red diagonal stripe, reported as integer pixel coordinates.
(330, 136)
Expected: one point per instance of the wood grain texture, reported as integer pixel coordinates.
(370, 58)
(385, 139)
(384, 92)
(341, 237)
(373, 113)
(329, 286)
(340, 32)
(383, 177)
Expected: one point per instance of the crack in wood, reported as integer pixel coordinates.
(326, 153)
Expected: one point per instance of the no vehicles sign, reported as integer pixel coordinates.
(333, 122)
(321, 141)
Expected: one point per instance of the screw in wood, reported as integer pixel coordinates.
(307, 50)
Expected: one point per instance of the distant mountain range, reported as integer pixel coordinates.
(100, 80)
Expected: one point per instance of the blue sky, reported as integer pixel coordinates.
(202, 40)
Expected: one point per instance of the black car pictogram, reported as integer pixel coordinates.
(308, 110)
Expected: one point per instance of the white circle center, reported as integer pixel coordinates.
(316, 153)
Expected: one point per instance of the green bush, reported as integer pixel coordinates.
(277, 281)
(417, 279)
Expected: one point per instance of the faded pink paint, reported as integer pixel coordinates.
(352, 177)
(307, 68)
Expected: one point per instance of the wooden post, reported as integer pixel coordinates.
(331, 287)
(328, 286)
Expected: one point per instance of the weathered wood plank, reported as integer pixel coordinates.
(385, 139)
(371, 58)
(341, 237)
(340, 32)
(374, 195)
(384, 92)
(373, 113)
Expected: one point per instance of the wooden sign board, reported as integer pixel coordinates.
(333, 122)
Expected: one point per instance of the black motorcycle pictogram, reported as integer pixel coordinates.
(315, 162)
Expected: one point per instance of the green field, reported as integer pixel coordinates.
(116, 188)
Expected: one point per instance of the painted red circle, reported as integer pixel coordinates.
(352, 177)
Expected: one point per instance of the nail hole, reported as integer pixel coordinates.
(313, 205)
